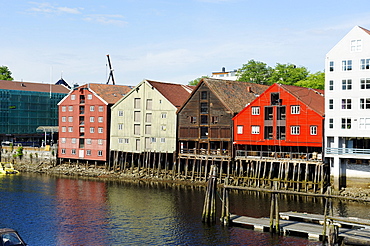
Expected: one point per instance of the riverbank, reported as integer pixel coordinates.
(100, 172)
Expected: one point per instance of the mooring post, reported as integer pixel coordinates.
(209, 208)
(225, 215)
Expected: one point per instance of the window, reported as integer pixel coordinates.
(365, 84)
(163, 128)
(347, 65)
(331, 66)
(331, 123)
(356, 45)
(64, 119)
(331, 103)
(364, 124)
(88, 152)
(126, 141)
(120, 113)
(203, 95)
(275, 98)
(204, 119)
(255, 129)
(92, 108)
(137, 129)
(120, 126)
(73, 140)
(346, 103)
(240, 129)
(365, 64)
(148, 117)
(73, 97)
(268, 113)
(280, 132)
(73, 151)
(92, 119)
(148, 129)
(214, 119)
(100, 129)
(364, 103)
(153, 140)
(137, 116)
(70, 129)
(120, 140)
(280, 113)
(100, 119)
(88, 141)
(149, 104)
(64, 129)
(63, 140)
(313, 130)
(70, 119)
(89, 97)
(346, 123)
(163, 140)
(82, 109)
(100, 153)
(255, 110)
(295, 109)
(331, 85)
(70, 108)
(92, 129)
(100, 141)
(294, 130)
(64, 108)
(193, 119)
(164, 115)
(82, 129)
(268, 132)
(136, 103)
(101, 109)
(63, 151)
(347, 84)
(203, 108)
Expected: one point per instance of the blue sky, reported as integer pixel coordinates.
(167, 40)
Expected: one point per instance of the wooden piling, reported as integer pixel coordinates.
(209, 208)
(225, 212)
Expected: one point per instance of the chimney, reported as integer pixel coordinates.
(223, 69)
(249, 89)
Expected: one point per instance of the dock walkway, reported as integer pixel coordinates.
(307, 225)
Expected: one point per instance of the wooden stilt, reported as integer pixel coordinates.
(186, 168)
(209, 208)
(193, 170)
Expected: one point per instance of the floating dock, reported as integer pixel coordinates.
(311, 226)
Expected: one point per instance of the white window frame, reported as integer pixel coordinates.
(346, 65)
(70, 129)
(346, 84)
(89, 96)
(88, 152)
(295, 109)
(120, 126)
(163, 140)
(365, 83)
(73, 97)
(92, 130)
(364, 124)
(365, 103)
(101, 109)
(294, 130)
(255, 129)
(63, 151)
(164, 115)
(70, 118)
(100, 119)
(120, 140)
(239, 129)
(126, 141)
(88, 141)
(255, 110)
(100, 129)
(313, 130)
(64, 108)
(74, 140)
(92, 108)
(100, 141)
(120, 113)
(364, 64)
(92, 119)
(63, 140)
(100, 153)
(64, 129)
(64, 119)
(70, 108)
(73, 151)
(346, 103)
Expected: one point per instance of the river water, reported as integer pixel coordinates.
(49, 210)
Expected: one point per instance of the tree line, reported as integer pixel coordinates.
(258, 72)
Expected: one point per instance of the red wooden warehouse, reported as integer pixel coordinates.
(285, 121)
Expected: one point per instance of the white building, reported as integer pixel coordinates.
(347, 108)
(225, 75)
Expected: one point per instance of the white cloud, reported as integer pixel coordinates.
(49, 8)
(106, 19)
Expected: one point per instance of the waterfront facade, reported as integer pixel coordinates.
(205, 126)
(145, 119)
(25, 106)
(347, 105)
(84, 121)
(285, 121)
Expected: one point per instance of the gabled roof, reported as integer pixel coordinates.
(313, 98)
(109, 93)
(28, 86)
(367, 31)
(235, 95)
(174, 93)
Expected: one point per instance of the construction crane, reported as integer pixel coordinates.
(111, 71)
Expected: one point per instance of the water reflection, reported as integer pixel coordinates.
(81, 212)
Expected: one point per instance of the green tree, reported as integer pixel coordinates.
(287, 74)
(197, 80)
(313, 80)
(5, 73)
(254, 72)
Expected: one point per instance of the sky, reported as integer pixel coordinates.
(167, 40)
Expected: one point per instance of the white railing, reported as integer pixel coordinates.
(341, 151)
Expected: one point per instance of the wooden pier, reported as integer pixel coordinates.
(350, 230)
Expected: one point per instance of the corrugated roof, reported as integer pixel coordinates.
(29, 86)
(175, 93)
(234, 94)
(313, 98)
(110, 93)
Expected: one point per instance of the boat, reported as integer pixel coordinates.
(10, 237)
(7, 168)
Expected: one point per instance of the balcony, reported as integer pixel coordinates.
(347, 151)
(314, 156)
